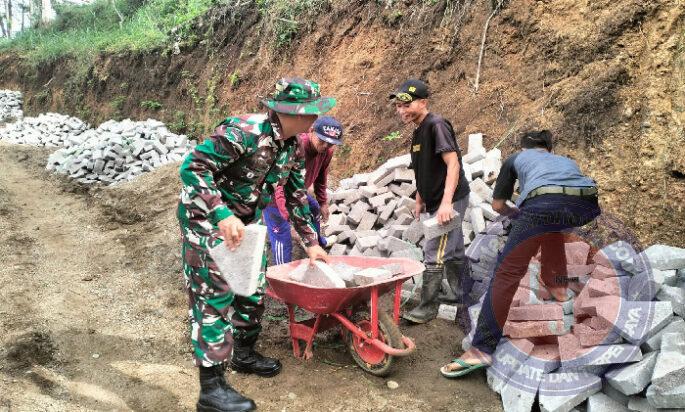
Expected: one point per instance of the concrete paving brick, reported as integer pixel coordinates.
(611, 392)
(385, 212)
(516, 400)
(669, 372)
(335, 229)
(675, 325)
(338, 249)
(590, 337)
(371, 275)
(403, 174)
(638, 321)
(553, 397)
(477, 219)
(410, 253)
(447, 312)
(602, 272)
(676, 296)
(474, 156)
(533, 329)
(586, 360)
(242, 267)
(368, 220)
(475, 142)
(536, 312)
(665, 257)
(367, 242)
(645, 285)
(674, 398)
(607, 287)
(357, 212)
(414, 232)
(600, 402)
(372, 252)
(392, 244)
(633, 379)
(402, 210)
(380, 200)
(397, 230)
(405, 219)
(481, 189)
(432, 229)
(576, 253)
(488, 212)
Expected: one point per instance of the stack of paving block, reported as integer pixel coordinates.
(617, 344)
(118, 151)
(10, 106)
(372, 213)
(47, 129)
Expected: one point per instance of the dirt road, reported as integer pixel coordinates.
(84, 325)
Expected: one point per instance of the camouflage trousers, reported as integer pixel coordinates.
(217, 316)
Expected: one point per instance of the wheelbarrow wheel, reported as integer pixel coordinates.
(367, 356)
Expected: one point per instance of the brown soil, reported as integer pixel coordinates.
(92, 319)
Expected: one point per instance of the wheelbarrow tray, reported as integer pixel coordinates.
(327, 301)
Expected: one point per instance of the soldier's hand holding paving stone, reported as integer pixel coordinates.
(232, 229)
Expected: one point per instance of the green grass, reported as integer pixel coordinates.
(84, 31)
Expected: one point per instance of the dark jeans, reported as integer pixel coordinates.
(541, 224)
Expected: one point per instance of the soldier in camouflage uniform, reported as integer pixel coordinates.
(227, 180)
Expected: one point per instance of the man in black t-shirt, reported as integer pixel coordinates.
(442, 191)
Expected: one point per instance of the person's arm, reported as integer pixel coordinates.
(200, 195)
(321, 184)
(419, 206)
(446, 146)
(445, 210)
(504, 188)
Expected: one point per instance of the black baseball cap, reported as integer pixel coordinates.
(411, 90)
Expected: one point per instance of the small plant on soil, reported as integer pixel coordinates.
(151, 104)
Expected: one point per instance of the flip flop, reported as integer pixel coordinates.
(556, 296)
(468, 368)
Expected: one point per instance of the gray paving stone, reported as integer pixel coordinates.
(371, 275)
(633, 379)
(676, 296)
(637, 321)
(242, 267)
(368, 220)
(357, 212)
(599, 402)
(665, 257)
(553, 398)
(669, 372)
(432, 229)
(675, 325)
(674, 398)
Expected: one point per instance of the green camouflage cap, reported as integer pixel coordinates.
(295, 95)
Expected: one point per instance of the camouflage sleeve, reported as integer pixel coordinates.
(298, 205)
(200, 194)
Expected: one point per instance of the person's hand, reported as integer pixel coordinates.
(512, 212)
(315, 253)
(325, 213)
(418, 208)
(232, 229)
(445, 214)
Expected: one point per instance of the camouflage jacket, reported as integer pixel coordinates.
(236, 170)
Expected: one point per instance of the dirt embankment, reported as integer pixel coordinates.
(606, 76)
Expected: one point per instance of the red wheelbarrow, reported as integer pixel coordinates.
(372, 337)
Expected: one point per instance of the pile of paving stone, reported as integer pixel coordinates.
(372, 213)
(118, 151)
(10, 106)
(617, 344)
(47, 129)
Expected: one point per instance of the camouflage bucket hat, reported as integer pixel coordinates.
(298, 96)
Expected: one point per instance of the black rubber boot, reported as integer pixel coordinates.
(427, 310)
(453, 272)
(247, 360)
(216, 395)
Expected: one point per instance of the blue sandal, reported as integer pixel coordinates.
(467, 368)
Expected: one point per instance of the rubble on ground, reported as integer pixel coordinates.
(119, 151)
(11, 104)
